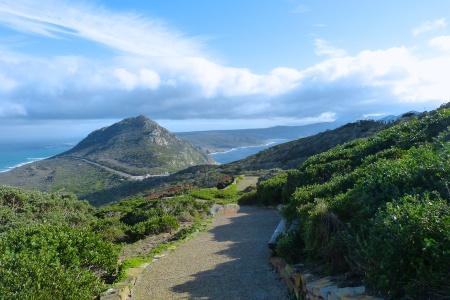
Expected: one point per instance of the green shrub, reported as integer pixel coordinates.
(53, 262)
(110, 229)
(153, 226)
(249, 198)
(343, 198)
(22, 208)
(206, 194)
(407, 247)
(270, 191)
(289, 246)
(325, 237)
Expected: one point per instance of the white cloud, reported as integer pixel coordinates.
(324, 48)
(441, 42)
(124, 32)
(161, 73)
(429, 26)
(149, 79)
(143, 79)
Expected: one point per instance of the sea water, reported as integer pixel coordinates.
(243, 152)
(16, 154)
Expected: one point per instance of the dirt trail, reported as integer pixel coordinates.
(229, 261)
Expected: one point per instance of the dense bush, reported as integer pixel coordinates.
(136, 217)
(20, 208)
(249, 198)
(153, 226)
(409, 250)
(53, 262)
(288, 245)
(351, 219)
(269, 191)
(54, 246)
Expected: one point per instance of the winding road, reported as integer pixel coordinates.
(229, 261)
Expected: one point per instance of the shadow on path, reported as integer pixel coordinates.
(246, 274)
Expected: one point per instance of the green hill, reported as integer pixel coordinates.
(138, 146)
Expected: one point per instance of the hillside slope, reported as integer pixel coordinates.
(291, 154)
(375, 208)
(138, 146)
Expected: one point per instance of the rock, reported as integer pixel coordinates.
(315, 286)
(339, 294)
(326, 290)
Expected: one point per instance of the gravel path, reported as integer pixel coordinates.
(229, 261)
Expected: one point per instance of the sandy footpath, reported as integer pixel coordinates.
(229, 261)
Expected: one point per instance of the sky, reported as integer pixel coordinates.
(70, 67)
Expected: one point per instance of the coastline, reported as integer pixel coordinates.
(239, 153)
(14, 155)
(30, 160)
(243, 147)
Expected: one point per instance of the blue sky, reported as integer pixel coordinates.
(69, 67)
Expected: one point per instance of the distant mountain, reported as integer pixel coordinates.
(138, 146)
(223, 140)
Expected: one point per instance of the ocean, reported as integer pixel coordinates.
(242, 152)
(16, 154)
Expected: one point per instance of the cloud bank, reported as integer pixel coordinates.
(156, 71)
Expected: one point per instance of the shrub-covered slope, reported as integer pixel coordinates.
(291, 154)
(53, 246)
(377, 207)
(138, 146)
(48, 249)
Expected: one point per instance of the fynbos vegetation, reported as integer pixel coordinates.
(377, 207)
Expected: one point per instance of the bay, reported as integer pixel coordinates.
(236, 154)
(16, 154)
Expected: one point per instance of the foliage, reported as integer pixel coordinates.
(288, 246)
(53, 262)
(249, 198)
(58, 235)
(20, 208)
(134, 218)
(215, 194)
(153, 226)
(376, 206)
(409, 252)
(269, 191)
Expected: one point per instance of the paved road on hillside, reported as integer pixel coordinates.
(229, 261)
